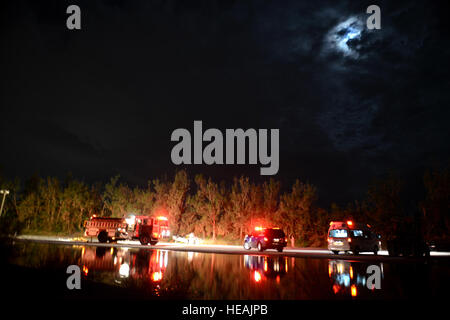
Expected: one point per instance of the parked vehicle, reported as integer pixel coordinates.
(106, 229)
(143, 228)
(147, 229)
(266, 238)
(355, 237)
(407, 238)
(407, 245)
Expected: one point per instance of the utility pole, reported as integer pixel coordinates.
(5, 193)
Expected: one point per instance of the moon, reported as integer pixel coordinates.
(342, 37)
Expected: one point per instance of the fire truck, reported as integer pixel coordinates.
(106, 229)
(143, 228)
(147, 229)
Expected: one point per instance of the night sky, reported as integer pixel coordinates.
(351, 103)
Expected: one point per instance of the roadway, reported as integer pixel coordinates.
(232, 249)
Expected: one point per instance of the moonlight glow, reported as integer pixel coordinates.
(338, 39)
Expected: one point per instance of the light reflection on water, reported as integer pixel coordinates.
(350, 278)
(193, 275)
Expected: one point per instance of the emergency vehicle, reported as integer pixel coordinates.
(266, 238)
(147, 229)
(143, 228)
(350, 236)
(106, 229)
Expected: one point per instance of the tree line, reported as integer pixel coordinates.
(214, 209)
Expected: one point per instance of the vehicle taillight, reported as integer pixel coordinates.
(265, 239)
(349, 239)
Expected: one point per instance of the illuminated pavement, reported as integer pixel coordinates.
(230, 249)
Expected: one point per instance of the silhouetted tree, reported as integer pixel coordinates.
(436, 206)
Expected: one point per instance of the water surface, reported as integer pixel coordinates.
(154, 274)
